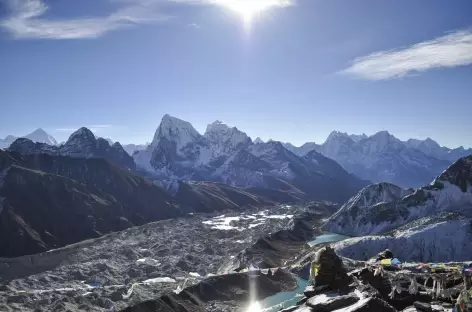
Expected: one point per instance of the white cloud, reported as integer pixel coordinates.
(27, 20)
(451, 50)
(27, 17)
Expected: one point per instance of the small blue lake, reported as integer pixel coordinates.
(327, 238)
(287, 299)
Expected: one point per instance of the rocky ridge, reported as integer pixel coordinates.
(81, 144)
(37, 136)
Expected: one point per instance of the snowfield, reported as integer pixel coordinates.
(438, 242)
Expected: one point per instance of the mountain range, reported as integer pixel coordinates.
(377, 158)
(81, 144)
(227, 155)
(384, 158)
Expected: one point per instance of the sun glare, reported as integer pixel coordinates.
(249, 9)
(254, 307)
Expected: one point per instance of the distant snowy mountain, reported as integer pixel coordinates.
(37, 136)
(383, 158)
(131, 148)
(81, 144)
(384, 207)
(228, 155)
(5, 143)
(41, 136)
(302, 150)
(432, 148)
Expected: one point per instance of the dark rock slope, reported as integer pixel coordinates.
(213, 196)
(51, 201)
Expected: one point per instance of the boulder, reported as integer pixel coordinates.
(312, 290)
(421, 306)
(324, 303)
(331, 270)
(386, 254)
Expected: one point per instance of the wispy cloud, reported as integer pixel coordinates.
(93, 128)
(26, 20)
(280, 3)
(451, 50)
(193, 25)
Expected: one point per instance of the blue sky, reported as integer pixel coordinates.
(292, 72)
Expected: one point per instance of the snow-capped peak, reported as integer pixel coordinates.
(384, 135)
(258, 140)
(429, 145)
(413, 143)
(216, 127)
(219, 133)
(336, 135)
(176, 130)
(82, 134)
(41, 136)
(358, 137)
(381, 140)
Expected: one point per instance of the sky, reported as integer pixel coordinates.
(288, 70)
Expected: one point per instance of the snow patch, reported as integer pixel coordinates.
(255, 225)
(158, 280)
(442, 241)
(223, 223)
(148, 261)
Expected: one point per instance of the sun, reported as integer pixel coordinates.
(249, 9)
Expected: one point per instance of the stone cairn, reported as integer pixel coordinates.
(330, 270)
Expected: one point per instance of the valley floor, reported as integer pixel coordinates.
(134, 265)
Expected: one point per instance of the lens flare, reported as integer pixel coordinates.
(254, 307)
(253, 304)
(249, 9)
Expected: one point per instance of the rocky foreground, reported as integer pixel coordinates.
(233, 262)
(370, 286)
(122, 269)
